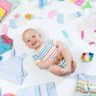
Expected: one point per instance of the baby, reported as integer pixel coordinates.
(49, 54)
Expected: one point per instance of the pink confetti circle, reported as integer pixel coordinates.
(79, 2)
(9, 94)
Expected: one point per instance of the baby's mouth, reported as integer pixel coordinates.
(34, 43)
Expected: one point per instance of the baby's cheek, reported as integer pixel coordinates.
(29, 45)
(38, 44)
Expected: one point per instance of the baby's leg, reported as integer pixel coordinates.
(57, 70)
(67, 54)
(69, 59)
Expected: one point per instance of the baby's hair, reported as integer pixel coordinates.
(30, 29)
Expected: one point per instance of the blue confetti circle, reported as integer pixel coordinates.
(1, 58)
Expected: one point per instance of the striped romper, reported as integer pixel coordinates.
(48, 51)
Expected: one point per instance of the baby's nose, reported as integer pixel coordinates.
(31, 40)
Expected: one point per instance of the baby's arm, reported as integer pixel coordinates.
(67, 55)
(57, 70)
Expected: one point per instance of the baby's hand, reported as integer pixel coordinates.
(58, 58)
(56, 61)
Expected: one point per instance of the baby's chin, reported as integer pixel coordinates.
(36, 47)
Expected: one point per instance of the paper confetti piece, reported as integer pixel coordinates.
(79, 2)
(82, 34)
(65, 34)
(28, 16)
(91, 43)
(60, 18)
(95, 30)
(78, 14)
(52, 14)
(16, 15)
(13, 24)
(9, 94)
(1, 58)
(4, 29)
(87, 5)
(42, 3)
(71, 0)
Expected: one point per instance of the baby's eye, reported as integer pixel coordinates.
(33, 36)
(28, 40)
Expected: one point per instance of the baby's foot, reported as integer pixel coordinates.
(65, 71)
(73, 66)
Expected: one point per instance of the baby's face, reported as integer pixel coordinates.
(32, 39)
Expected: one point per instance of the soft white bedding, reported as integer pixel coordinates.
(50, 27)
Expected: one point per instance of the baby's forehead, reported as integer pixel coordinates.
(30, 31)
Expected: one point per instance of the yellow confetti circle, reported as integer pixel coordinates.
(72, 0)
(28, 16)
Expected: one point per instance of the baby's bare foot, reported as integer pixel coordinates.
(66, 71)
